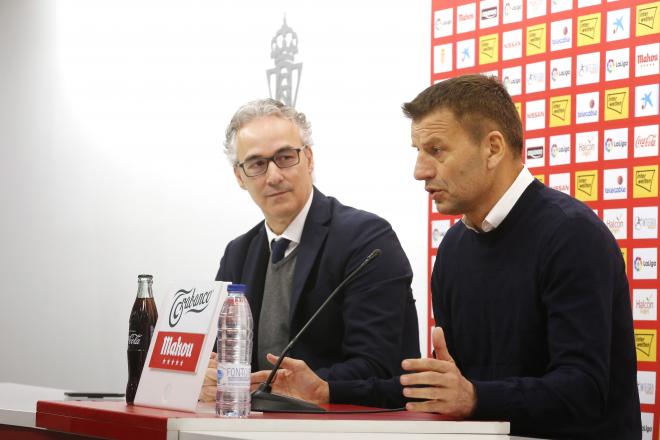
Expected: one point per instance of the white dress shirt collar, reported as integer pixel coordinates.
(504, 205)
(294, 231)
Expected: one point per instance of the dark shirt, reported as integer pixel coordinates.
(536, 313)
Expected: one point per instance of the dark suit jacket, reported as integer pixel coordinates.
(369, 327)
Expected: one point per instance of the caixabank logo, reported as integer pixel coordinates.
(645, 343)
(465, 54)
(646, 100)
(618, 25)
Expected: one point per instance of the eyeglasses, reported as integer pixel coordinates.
(285, 158)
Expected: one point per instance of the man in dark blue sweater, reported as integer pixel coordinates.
(529, 289)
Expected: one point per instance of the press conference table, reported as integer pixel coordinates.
(41, 413)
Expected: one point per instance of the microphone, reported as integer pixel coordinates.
(266, 401)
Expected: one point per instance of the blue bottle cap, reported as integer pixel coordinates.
(235, 288)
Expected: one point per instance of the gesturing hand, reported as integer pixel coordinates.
(440, 381)
(295, 379)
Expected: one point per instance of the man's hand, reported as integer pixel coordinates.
(295, 379)
(210, 385)
(442, 383)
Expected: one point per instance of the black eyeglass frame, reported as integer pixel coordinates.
(241, 165)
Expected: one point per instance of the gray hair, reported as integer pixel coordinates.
(258, 109)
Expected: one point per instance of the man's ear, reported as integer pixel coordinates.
(496, 148)
(310, 156)
(239, 177)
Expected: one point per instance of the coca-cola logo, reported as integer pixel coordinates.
(134, 339)
(645, 141)
(188, 301)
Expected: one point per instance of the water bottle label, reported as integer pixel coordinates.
(234, 375)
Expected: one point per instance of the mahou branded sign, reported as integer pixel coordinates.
(178, 349)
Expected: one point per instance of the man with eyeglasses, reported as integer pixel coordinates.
(306, 245)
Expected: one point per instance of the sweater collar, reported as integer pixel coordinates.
(504, 205)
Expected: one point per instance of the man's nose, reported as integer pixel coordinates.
(273, 173)
(423, 167)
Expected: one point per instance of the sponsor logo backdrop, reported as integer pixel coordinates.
(585, 76)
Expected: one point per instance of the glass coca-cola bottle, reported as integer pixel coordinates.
(140, 328)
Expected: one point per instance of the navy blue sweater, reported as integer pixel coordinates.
(537, 315)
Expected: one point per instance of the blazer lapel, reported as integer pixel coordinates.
(311, 242)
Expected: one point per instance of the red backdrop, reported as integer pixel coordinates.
(584, 75)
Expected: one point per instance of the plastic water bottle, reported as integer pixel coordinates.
(234, 354)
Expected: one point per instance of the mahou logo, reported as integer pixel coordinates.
(188, 301)
(177, 351)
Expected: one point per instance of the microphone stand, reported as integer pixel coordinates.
(266, 401)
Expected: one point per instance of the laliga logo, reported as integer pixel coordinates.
(639, 264)
(188, 301)
(608, 145)
(610, 65)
